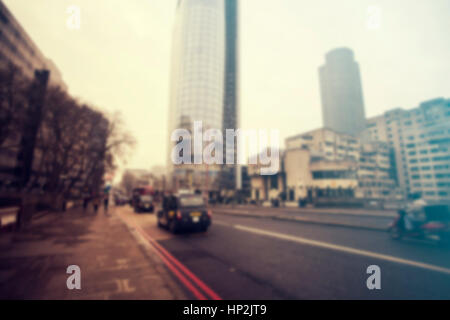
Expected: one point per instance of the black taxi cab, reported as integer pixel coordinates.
(184, 212)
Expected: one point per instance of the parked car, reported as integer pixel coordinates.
(184, 212)
(144, 203)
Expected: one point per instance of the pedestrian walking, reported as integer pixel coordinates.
(106, 203)
(86, 199)
(96, 203)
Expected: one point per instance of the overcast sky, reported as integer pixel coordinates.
(119, 58)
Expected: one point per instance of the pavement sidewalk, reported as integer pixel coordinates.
(113, 263)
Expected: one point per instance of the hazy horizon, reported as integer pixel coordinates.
(120, 58)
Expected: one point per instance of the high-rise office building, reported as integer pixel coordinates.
(421, 144)
(197, 80)
(204, 81)
(341, 92)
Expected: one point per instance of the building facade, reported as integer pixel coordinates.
(267, 187)
(421, 140)
(18, 49)
(21, 61)
(341, 92)
(326, 164)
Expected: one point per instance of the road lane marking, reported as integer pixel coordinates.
(174, 265)
(345, 249)
(139, 232)
(182, 267)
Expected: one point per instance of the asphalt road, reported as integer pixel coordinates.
(251, 258)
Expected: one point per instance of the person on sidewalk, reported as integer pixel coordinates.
(85, 203)
(96, 202)
(86, 199)
(106, 203)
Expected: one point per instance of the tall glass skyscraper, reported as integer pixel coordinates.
(341, 92)
(203, 78)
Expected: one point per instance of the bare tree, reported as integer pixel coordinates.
(76, 145)
(120, 142)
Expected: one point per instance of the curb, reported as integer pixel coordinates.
(176, 269)
(305, 221)
(150, 252)
(296, 210)
(342, 213)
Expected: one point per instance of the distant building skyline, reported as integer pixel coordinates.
(279, 78)
(341, 92)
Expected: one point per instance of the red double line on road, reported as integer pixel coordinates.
(180, 270)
